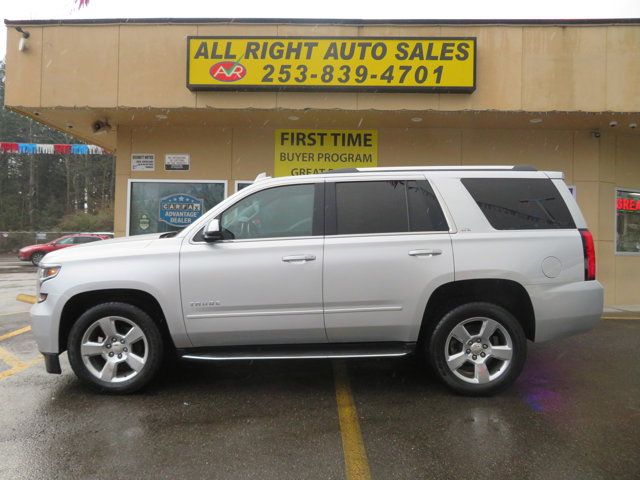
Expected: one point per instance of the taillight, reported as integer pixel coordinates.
(589, 251)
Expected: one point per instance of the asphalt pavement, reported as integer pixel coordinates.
(573, 414)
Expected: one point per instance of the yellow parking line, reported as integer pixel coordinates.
(16, 365)
(12, 313)
(23, 297)
(14, 333)
(620, 318)
(10, 359)
(355, 455)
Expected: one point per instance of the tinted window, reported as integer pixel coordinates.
(520, 203)
(425, 214)
(387, 206)
(65, 241)
(79, 240)
(275, 212)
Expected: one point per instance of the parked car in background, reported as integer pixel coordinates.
(34, 253)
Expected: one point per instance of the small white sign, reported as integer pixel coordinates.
(143, 162)
(176, 161)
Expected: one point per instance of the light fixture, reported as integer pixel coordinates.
(613, 123)
(23, 44)
(416, 119)
(535, 120)
(633, 125)
(161, 116)
(293, 117)
(101, 126)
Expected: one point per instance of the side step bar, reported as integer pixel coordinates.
(300, 352)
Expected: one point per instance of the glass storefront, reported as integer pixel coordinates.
(240, 184)
(163, 206)
(627, 221)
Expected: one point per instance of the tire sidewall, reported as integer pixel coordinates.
(141, 319)
(436, 347)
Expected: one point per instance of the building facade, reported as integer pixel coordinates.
(195, 109)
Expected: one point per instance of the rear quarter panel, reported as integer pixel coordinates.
(563, 303)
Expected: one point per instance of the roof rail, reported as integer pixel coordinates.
(519, 168)
(261, 176)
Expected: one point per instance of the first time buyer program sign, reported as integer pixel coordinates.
(426, 64)
(307, 151)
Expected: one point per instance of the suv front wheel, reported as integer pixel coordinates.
(115, 348)
(478, 348)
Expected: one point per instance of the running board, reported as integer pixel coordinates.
(300, 352)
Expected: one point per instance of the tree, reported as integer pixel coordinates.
(38, 190)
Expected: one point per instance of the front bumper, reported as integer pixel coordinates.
(45, 321)
(24, 256)
(564, 310)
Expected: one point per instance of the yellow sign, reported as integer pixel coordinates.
(304, 152)
(332, 64)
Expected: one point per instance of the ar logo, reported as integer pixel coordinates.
(228, 71)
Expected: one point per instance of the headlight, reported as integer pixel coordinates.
(45, 273)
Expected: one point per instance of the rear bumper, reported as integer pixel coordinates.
(564, 310)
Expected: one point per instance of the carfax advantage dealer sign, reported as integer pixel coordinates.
(332, 64)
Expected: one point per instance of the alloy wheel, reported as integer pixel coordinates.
(478, 350)
(114, 349)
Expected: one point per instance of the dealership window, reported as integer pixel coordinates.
(627, 221)
(157, 206)
(240, 184)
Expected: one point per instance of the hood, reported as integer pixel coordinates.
(33, 247)
(103, 249)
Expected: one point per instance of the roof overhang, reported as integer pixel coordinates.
(79, 121)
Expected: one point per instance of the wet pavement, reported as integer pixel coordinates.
(573, 414)
(15, 277)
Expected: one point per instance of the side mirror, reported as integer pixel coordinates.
(212, 232)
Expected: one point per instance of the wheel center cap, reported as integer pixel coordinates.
(476, 348)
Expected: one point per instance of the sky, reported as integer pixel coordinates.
(355, 9)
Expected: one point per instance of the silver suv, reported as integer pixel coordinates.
(462, 265)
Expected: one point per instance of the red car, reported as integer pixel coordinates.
(34, 253)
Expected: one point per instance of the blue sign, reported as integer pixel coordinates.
(180, 210)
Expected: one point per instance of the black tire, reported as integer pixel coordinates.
(36, 258)
(154, 347)
(438, 342)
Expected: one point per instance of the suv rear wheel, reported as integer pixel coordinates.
(478, 348)
(115, 348)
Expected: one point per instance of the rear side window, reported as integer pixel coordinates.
(387, 206)
(520, 203)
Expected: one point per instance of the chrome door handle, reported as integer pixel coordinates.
(298, 258)
(425, 253)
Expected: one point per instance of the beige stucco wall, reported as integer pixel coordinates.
(531, 68)
(594, 165)
(71, 75)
